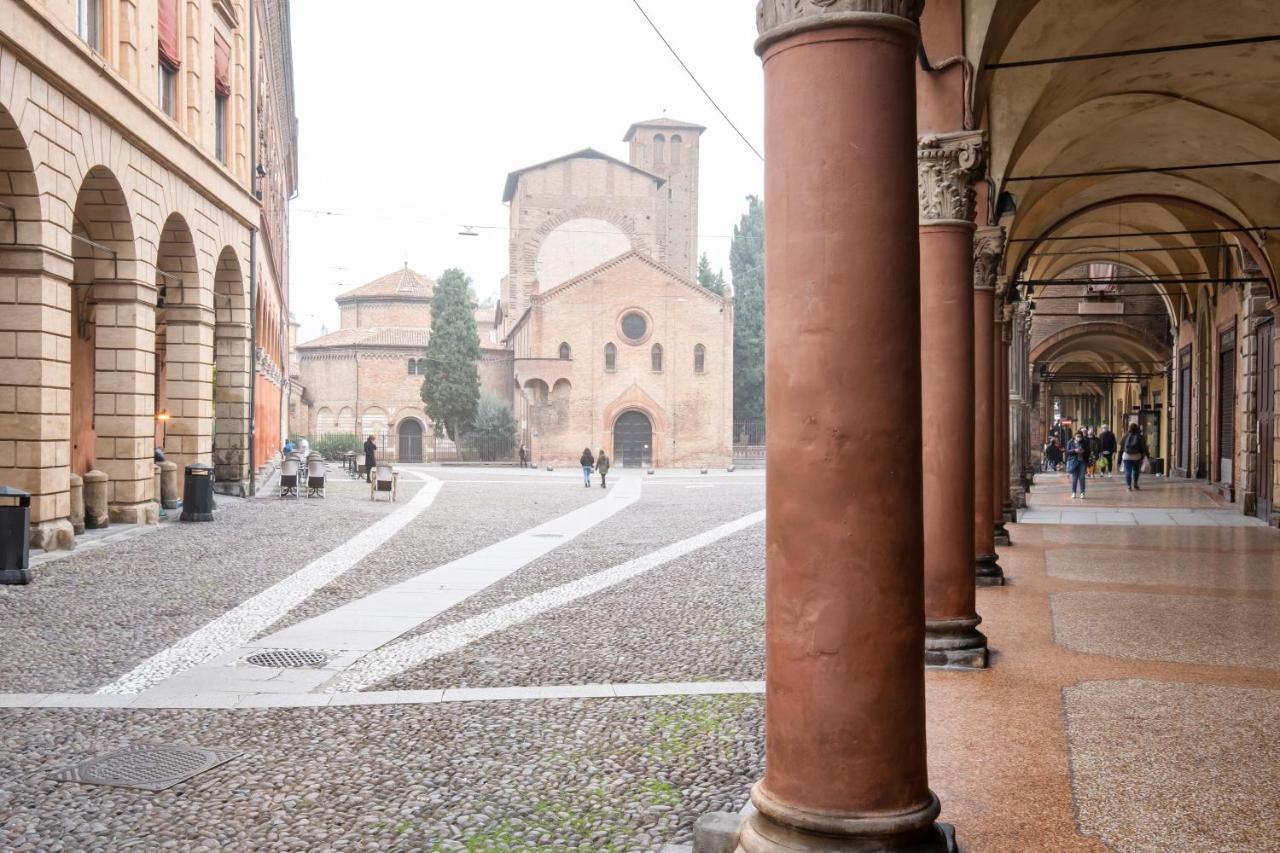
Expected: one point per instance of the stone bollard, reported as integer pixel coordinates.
(155, 482)
(96, 515)
(169, 485)
(77, 504)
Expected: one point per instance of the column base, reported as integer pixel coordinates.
(761, 835)
(56, 535)
(143, 513)
(987, 571)
(1001, 534)
(955, 643)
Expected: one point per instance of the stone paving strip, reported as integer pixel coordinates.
(382, 697)
(243, 622)
(369, 622)
(398, 657)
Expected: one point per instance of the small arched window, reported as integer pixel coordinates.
(659, 149)
(565, 352)
(413, 367)
(677, 143)
(699, 359)
(610, 357)
(655, 356)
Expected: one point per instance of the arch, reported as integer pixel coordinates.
(186, 435)
(233, 368)
(659, 148)
(632, 433)
(526, 278)
(610, 357)
(565, 351)
(561, 390)
(655, 358)
(23, 225)
(1063, 341)
(326, 422)
(409, 444)
(537, 391)
(578, 246)
(677, 146)
(699, 359)
(346, 420)
(112, 347)
(373, 422)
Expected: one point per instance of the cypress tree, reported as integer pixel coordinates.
(451, 388)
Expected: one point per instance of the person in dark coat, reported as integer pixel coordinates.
(602, 465)
(1133, 453)
(1078, 452)
(588, 462)
(1107, 449)
(370, 458)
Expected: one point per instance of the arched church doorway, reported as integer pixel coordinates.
(409, 441)
(633, 440)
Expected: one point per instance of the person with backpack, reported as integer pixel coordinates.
(602, 465)
(588, 462)
(1134, 452)
(1107, 449)
(1078, 463)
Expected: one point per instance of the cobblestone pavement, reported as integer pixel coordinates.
(627, 771)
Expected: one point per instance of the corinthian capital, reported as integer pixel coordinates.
(777, 19)
(988, 246)
(948, 164)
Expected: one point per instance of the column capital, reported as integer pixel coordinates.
(947, 165)
(778, 19)
(988, 246)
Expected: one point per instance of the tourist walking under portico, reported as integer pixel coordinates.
(1135, 452)
(1078, 463)
(587, 461)
(1107, 449)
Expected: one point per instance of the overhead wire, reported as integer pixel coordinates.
(697, 83)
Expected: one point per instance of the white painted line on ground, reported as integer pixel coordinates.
(243, 623)
(398, 657)
(215, 701)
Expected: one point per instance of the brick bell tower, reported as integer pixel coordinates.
(670, 149)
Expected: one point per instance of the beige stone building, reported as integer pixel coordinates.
(614, 344)
(146, 159)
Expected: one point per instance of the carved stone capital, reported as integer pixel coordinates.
(948, 164)
(988, 246)
(778, 19)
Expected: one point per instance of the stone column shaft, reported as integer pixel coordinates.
(948, 164)
(845, 731)
(987, 249)
(1000, 411)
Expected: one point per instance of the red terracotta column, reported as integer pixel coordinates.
(988, 246)
(844, 723)
(948, 164)
(1000, 470)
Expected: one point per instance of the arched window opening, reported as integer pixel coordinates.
(655, 356)
(699, 359)
(677, 143)
(610, 357)
(659, 149)
(565, 352)
(413, 367)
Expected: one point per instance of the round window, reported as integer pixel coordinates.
(635, 326)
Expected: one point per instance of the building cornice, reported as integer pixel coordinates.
(779, 19)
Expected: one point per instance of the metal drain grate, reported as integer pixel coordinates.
(288, 659)
(150, 768)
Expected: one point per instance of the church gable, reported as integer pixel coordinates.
(628, 266)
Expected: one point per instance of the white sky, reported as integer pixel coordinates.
(412, 112)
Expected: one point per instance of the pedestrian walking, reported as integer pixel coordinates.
(524, 456)
(1107, 450)
(1078, 463)
(587, 462)
(1135, 451)
(370, 458)
(602, 466)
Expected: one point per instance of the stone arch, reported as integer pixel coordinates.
(112, 349)
(1060, 341)
(326, 422)
(346, 420)
(233, 367)
(410, 434)
(374, 421)
(527, 251)
(562, 389)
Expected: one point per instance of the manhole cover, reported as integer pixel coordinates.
(288, 659)
(151, 768)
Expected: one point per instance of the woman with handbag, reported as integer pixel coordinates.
(1134, 453)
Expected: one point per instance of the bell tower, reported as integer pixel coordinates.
(670, 149)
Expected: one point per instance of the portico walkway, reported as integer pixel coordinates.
(1159, 501)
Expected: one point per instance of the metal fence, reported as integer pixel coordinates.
(748, 442)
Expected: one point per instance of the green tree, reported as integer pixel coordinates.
(746, 263)
(494, 431)
(711, 281)
(451, 388)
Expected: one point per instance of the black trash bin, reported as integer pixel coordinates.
(197, 493)
(15, 547)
